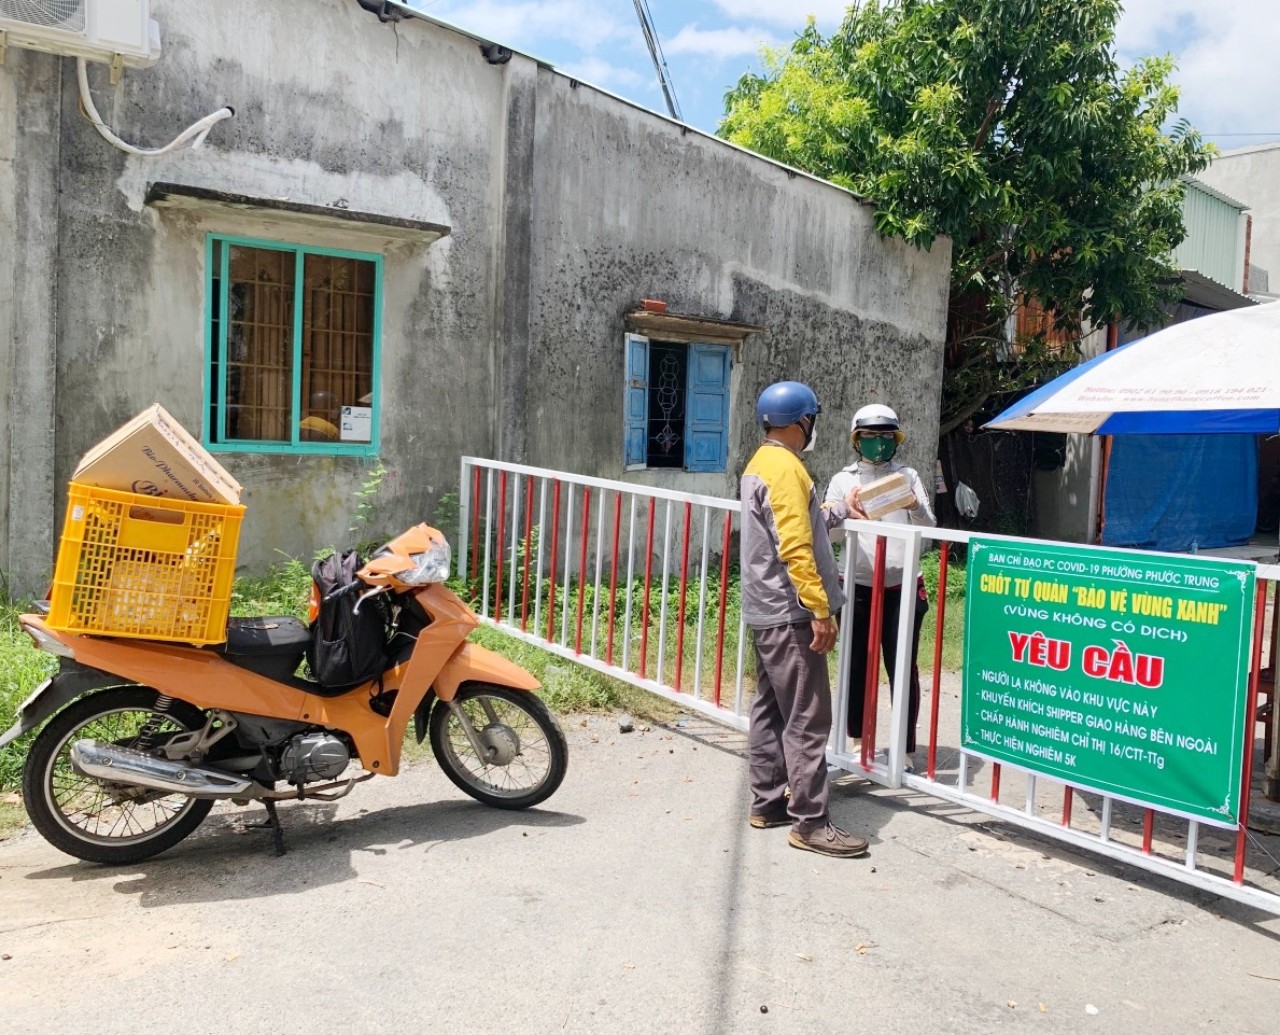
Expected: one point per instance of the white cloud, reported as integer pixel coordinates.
(829, 13)
(599, 72)
(1225, 49)
(719, 44)
(1226, 60)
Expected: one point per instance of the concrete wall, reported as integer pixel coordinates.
(504, 338)
(349, 112)
(628, 205)
(30, 118)
(1252, 175)
(1065, 499)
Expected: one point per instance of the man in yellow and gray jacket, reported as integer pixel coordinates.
(790, 595)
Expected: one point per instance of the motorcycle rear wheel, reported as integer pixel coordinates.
(87, 818)
(526, 754)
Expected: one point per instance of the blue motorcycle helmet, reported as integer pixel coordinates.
(785, 403)
(788, 402)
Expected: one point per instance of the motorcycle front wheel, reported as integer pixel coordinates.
(523, 756)
(102, 822)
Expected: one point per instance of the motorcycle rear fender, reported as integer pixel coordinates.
(472, 663)
(69, 682)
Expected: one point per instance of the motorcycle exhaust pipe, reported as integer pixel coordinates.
(125, 765)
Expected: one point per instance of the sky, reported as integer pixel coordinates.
(1225, 49)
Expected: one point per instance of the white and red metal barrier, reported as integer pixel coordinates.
(628, 580)
(1232, 862)
(634, 582)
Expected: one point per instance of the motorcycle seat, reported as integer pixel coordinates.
(271, 646)
(266, 637)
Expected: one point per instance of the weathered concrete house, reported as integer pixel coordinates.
(442, 237)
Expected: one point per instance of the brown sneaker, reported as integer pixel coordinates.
(765, 820)
(830, 840)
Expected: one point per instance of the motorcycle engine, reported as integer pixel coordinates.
(313, 756)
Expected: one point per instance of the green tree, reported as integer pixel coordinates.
(1008, 126)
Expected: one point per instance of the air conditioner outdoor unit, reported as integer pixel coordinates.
(120, 32)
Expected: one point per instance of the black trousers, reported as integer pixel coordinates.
(889, 644)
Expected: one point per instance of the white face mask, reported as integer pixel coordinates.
(813, 441)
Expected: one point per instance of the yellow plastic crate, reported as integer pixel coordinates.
(146, 567)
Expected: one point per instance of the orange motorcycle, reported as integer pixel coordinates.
(141, 737)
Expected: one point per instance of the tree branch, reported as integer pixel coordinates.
(984, 333)
(978, 357)
(993, 106)
(968, 410)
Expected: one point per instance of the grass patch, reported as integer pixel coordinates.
(284, 589)
(952, 639)
(22, 669)
(568, 687)
(953, 631)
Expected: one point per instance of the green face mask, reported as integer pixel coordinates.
(877, 450)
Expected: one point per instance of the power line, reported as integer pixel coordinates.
(659, 59)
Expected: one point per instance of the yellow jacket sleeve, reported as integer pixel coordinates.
(789, 499)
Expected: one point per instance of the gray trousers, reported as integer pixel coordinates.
(790, 723)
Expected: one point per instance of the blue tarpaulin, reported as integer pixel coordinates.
(1176, 492)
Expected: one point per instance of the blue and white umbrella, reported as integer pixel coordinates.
(1217, 374)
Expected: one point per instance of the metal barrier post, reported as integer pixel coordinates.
(528, 549)
(940, 606)
(724, 599)
(488, 538)
(1250, 725)
(502, 519)
(464, 516)
(613, 575)
(871, 699)
(844, 660)
(900, 712)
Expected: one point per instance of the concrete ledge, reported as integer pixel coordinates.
(686, 328)
(183, 196)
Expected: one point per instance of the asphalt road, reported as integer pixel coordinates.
(636, 900)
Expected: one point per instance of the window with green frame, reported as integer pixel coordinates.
(293, 347)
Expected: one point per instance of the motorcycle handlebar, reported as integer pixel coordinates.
(342, 591)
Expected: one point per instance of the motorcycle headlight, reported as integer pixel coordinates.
(432, 565)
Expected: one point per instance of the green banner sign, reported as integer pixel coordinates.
(1111, 670)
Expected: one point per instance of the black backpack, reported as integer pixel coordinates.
(347, 646)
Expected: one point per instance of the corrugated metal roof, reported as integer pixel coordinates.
(1213, 192)
(1208, 293)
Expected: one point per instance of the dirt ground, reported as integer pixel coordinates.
(636, 900)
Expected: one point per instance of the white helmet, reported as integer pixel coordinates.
(876, 417)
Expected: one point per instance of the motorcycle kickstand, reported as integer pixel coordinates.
(273, 821)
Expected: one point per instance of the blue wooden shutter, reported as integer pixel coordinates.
(635, 404)
(706, 440)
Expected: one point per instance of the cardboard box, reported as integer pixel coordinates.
(156, 456)
(885, 495)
